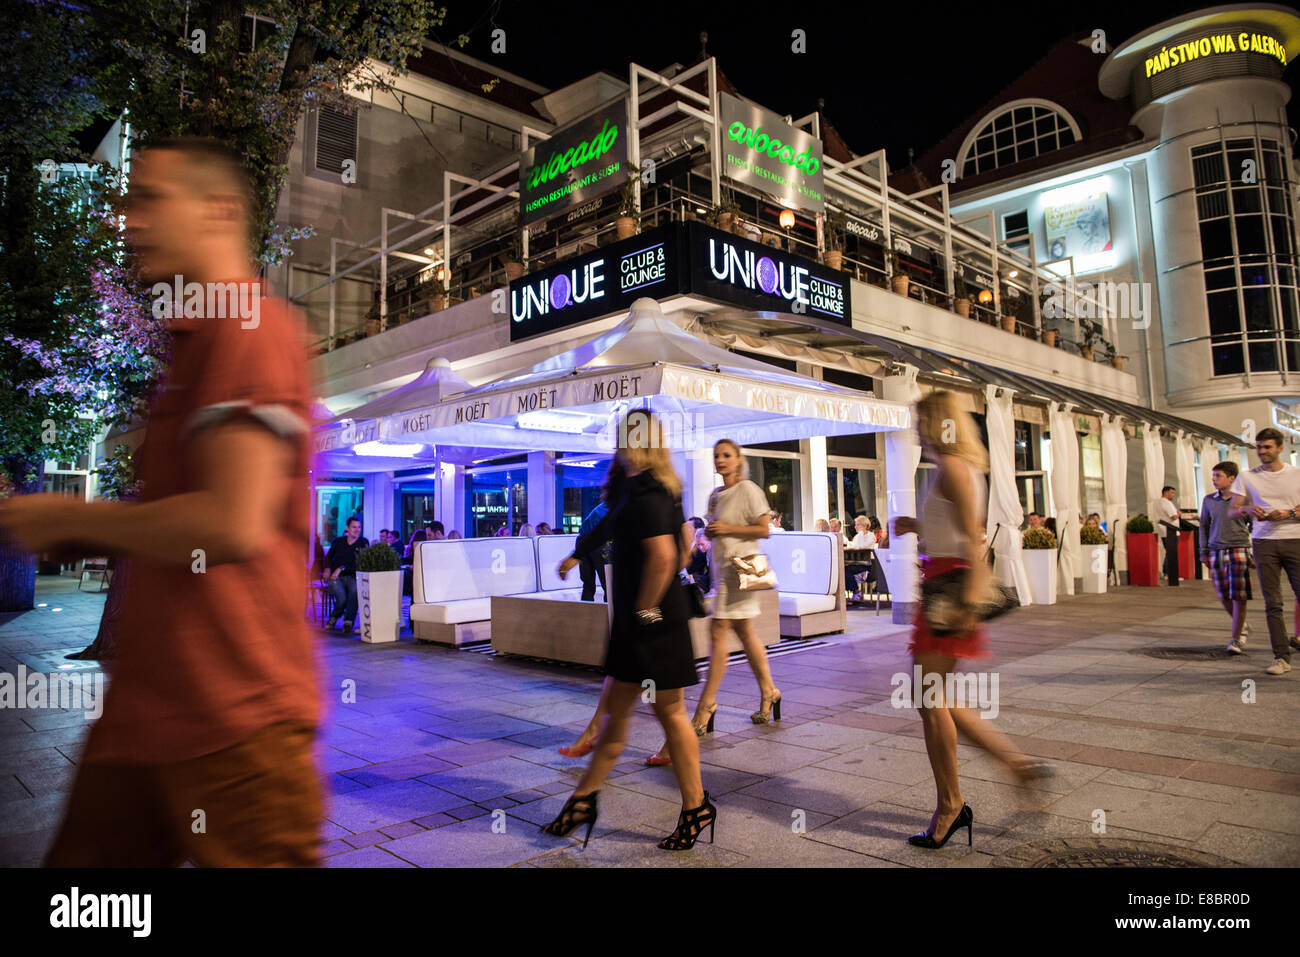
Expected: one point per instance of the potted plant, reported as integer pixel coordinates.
(1096, 559)
(836, 224)
(628, 212)
(1143, 568)
(514, 250)
(961, 295)
(1091, 336)
(1008, 323)
(898, 279)
(1110, 352)
(1049, 337)
(725, 214)
(1039, 553)
(379, 593)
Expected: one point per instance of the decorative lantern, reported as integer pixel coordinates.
(787, 218)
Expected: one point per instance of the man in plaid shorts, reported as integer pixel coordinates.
(1225, 548)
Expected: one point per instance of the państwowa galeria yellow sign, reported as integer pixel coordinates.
(1177, 53)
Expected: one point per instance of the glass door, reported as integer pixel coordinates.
(495, 499)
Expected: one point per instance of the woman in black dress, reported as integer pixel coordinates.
(649, 639)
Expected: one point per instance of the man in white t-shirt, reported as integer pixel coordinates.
(1164, 512)
(1270, 494)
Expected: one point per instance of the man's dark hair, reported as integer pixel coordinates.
(437, 527)
(1228, 468)
(1032, 514)
(1269, 434)
(1167, 488)
(351, 520)
(697, 522)
(383, 531)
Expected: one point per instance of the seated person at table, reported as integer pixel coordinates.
(544, 528)
(864, 538)
(341, 574)
(821, 525)
(698, 564)
(454, 534)
(878, 530)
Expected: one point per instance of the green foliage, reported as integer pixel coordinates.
(837, 222)
(252, 100)
(628, 195)
(1092, 535)
(116, 473)
(1038, 538)
(378, 558)
(1140, 525)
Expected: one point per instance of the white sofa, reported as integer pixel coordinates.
(809, 570)
(454, 581)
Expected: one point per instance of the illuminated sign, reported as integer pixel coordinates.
(681, 259)
(1179, 53)
(763, 151)
(572, 166)
(1080, 227)
(746, 273)
(596, 284)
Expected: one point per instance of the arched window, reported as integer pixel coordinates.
(1015, 132)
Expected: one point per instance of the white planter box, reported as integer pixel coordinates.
(379, 595)
(1095, 557)
(1040, 567)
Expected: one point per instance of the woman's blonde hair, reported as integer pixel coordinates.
(744, 463)
(946, 426)
(642, 441)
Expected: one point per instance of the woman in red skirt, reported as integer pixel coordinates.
(951, 529)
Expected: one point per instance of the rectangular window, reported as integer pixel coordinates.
(336, 140)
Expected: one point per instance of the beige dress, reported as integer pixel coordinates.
(742, 504)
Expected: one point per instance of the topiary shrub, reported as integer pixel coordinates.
(1140, 525)
(1092, 535)
(378, 558)
(1038, 538)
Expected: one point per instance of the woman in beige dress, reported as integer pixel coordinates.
(738, 516)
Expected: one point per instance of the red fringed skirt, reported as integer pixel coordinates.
(972, 645)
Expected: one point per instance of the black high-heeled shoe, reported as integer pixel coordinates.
(690, 825)
(576, 812)
(965, 818)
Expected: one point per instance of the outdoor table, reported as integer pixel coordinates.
(858, 556)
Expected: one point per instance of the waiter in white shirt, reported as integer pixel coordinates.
(1166, 513)
(1270, 495)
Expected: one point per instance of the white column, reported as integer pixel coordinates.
(1209, 459)
(1005, 513)
(1065, 492)
(541, 488)
(902, 454)
(816, 496)
(377, 508)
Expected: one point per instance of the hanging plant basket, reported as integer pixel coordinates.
(1117, 362)
(1086, 352)
(514, 271)
(626, 227)
(1008, 323)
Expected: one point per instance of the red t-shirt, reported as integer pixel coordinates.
(205, 660)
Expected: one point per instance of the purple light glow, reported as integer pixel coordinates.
(559, 291)
(766, 272)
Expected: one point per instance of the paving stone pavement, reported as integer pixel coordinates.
(447, 757)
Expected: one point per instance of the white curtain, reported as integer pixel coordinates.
(1065, 492)
(1005, 510)
(1209, 459)
(1114, 470)
(1153, 467)
(1185, 463)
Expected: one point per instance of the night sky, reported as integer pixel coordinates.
(895, 75)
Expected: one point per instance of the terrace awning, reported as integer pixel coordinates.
(573, 402)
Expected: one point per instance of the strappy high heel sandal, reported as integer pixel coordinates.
(578, 750)
(577, 811)
(690, 825)
(707, 728)
(770, 709)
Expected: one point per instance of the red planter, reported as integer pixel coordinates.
(1186, 555)
(1143, 554)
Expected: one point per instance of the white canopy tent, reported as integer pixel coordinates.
(573, 402)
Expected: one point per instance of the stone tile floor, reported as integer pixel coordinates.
(447, 758)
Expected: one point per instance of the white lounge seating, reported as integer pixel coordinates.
(809, 570)
(455, 580)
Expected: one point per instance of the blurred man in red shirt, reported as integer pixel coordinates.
(204, 750)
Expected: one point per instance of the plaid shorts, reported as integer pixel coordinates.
(1230, 572)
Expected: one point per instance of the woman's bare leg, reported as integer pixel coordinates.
(613, 736)
(593, 726)
(941, 746)
(756, 654)
(682, 745)
(717, 669)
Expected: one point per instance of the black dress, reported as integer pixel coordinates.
(661, 653)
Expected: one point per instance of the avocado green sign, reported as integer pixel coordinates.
(762, 150)
(574, 164)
